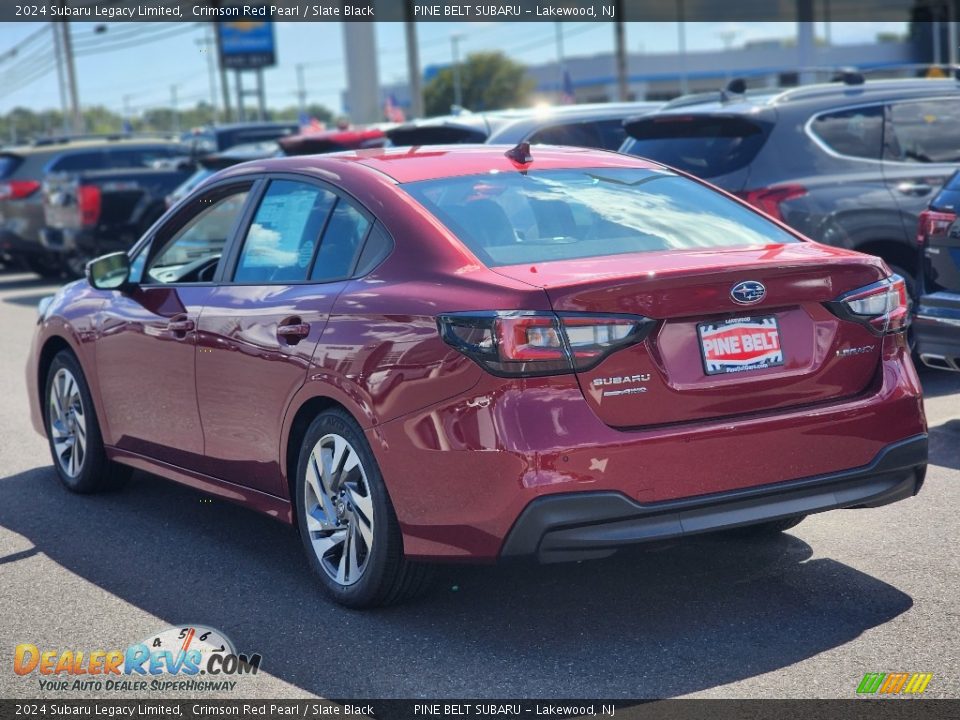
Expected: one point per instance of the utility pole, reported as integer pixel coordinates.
(77, 116)
(623, 90)
(61, 80)
(457, 85)
(301, 95)
(413, 61)
(682, 47)
(176, 114)
(209, 46)
(561, 69)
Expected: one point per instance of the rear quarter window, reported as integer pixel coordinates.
(706, 146)
(856, 132)
(78, 161)
(926, 131)
(8, 163)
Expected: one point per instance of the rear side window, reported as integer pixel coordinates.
(8, 163)
(282, 238)
(509, 219)
(927, 131)
(139, 157)
(706, 146)
(857, 132)
(605, 134)
(79, 161)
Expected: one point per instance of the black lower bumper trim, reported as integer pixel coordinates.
(574, 526)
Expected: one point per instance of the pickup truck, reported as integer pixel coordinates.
(91, 213)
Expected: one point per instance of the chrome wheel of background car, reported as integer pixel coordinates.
(68, 423)
(339, 509)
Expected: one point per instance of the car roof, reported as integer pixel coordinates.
(434, 162)
(85, 144)
(821, 94)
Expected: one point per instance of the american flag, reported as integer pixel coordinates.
(391, 111)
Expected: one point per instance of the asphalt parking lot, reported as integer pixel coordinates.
(843, 594)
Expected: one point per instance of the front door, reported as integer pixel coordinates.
(146, 352)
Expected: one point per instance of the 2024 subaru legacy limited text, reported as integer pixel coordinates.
(462, 353)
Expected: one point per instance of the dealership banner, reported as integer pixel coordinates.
(259, 709)
(442, 11)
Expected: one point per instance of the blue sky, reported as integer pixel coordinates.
(145, 61)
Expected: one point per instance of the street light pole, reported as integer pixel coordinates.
(457, 86)
(560, 61)
(413, 61)
(209, 47)
(176, 113)
(61, 80)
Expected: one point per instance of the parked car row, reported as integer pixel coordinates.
(852, 164)
(63, 201)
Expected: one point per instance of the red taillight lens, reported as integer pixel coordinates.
(883, 307)
(522, 343)
(933, 223)
(88, 203)
(18, 189)
(769, 199)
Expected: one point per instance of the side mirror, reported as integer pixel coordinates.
(109, 272)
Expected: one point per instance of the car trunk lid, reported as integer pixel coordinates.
(710, 357)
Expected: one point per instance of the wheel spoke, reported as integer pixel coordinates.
(364, 503)
(353, 567)
(318, 488)
(365, 528)
(317, 520)
(325, 543)
(342, 567)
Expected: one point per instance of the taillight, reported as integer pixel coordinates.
(18, 189)
(933, 222)
(88, 203)
(769, 199)
(516, 343)
(882, 307)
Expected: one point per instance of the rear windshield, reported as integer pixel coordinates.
(704, 146)
(510, 219)
(8, 163)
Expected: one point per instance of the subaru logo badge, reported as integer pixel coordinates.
(748, 292)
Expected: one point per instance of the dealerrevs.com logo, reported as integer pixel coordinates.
(171, 660)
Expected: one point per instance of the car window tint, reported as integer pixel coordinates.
(375, 250)
(8, 163)
(923, 132)
(75, 162)
(139, 157)
(191, 254)
(341, 242)
(579, 134)
(857, 132)
(706, 146)
(508, 219)
(283, 235)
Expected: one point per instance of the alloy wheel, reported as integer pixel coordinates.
(68, 422)
(339, 509)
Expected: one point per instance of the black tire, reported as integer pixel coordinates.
(385, 576)
(767, 529)
(91, 471)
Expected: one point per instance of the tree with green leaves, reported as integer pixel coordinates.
(488, 81)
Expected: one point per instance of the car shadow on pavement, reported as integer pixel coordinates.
(30, 300)
(657, 622)
(20, 281)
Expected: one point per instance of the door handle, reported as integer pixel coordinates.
(293, 332)
(912, 188)
(184, 325)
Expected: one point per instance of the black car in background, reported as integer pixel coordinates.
(24, 168)
(217, 138)
(589, 125)
(936, 324)
(851, 164)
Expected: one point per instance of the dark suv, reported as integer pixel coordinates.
(850, 164)
(23, 169)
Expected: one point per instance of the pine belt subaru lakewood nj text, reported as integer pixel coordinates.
(477, 352)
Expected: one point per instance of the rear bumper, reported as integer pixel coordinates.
(936, 328)
(594, 524)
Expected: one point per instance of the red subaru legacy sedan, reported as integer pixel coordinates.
(472, 353)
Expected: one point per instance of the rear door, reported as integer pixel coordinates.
(259, 329)
(921, 149)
